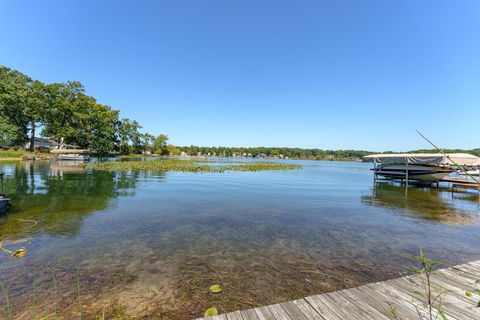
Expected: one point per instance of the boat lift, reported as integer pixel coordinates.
(406, 161)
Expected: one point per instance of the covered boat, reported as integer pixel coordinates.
(424, 167)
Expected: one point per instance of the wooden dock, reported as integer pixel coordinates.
(462, 184)
(458, 180)
(375, 301)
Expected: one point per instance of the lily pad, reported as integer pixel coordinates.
(210, 312)
(215, 288)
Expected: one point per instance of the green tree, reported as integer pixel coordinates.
(67, 106)
(102, 127)
(35, 108)
(172, 150)
(9, 133)
(64, 111)
(22, 102)
(147, 142)
(160, 144)
(130, 139)
(13, 96)
(79, 119)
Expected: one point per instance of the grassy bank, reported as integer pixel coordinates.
(12, 154)
(190, 166)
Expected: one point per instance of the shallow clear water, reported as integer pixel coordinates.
(152, 243)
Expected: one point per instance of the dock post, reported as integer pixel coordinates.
(406, 176)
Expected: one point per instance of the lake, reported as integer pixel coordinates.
(151, 244)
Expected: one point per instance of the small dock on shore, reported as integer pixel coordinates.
(71, 154)
(375, 301)
(462, 184)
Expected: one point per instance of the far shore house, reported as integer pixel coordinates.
(43, 143)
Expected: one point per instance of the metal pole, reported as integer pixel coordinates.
(406, 181)
(478, 185)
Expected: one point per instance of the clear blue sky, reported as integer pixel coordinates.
(330, 74)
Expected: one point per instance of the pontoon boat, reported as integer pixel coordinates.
(424, 167)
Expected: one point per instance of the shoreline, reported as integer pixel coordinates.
(197, 157)
(218, 157)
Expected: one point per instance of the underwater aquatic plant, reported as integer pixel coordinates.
(190, 166)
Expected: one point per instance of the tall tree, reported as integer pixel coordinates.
(35, 108)
(147, 141)
(9, 133)
(61, 118)
(104, 124)
(172, 150)
(13, 96)
(63, 110)
(22, 102)
(160, 144)
(129, 136)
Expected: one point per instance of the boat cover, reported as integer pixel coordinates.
(462, 159)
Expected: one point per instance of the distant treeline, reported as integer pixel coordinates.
(64, 110)
(296, 153)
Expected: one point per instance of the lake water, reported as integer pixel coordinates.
(151, 244)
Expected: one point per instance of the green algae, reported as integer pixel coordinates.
(197, 166)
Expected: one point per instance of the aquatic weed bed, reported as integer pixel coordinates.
(13, 153)
(190, 166)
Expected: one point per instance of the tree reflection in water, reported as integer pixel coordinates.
(58, 195)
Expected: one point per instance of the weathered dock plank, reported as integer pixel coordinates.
(249, 314)
(236, 315)
(278, 312)
(450, 305)
(293, 311)
(380, 300)
(469, 269)
(372, 312)
(264, 313)
(389, 301)
(321, 308)
(338, 309)
(410, 297)
(360, 313)
(308, 310)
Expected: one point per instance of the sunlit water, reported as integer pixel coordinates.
(151, 244)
